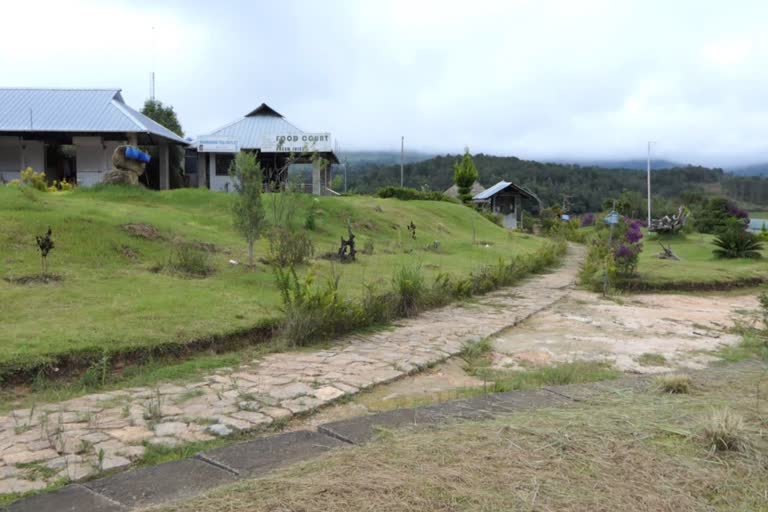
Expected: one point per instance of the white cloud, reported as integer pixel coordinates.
(590, 78)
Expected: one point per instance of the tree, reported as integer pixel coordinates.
(464, 176)
(248, 210)
(166, 116)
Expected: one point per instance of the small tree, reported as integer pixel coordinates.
(247, 209)
(45, 244)
(464, 176)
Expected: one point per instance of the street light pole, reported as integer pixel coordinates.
(649, 184)
(402, 146)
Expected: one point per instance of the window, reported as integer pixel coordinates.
(223, 161)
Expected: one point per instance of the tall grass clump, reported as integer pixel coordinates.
(189, 260)
(410, 289)
(724, 431)
(675, 384)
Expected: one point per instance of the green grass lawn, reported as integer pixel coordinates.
(110, 298)
(698, 264)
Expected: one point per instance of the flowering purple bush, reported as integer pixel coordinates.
(587, 220)
(628, 247)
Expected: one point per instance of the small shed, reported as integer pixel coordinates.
(453, 190)
(506, 199)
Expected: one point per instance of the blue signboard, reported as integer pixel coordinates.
(611, 218)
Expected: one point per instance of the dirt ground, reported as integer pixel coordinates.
(681, 328)
(641, 334)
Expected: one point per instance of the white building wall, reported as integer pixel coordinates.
(93, 159)
(218, 183)
(33, 155)
(10, 158)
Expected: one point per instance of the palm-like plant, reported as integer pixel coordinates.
(737, 244)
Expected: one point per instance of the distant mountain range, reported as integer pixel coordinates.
(751, 170)
(359, 160)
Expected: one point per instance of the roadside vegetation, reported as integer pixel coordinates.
(144, 273)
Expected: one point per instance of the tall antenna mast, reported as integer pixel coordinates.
(152, 71)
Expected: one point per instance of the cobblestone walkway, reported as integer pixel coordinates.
(100, 432)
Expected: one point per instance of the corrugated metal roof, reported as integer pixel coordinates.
(502, 185)
(74, 110)
(257, 126)
(489, 192)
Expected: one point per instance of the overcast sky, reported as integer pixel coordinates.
(536, 79)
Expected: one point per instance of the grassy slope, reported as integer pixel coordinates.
(108, 300)
(624, 451)
(698, 265)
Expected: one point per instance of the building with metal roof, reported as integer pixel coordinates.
(277, 142)
(453, 190)
(505, 198)
(71, 133)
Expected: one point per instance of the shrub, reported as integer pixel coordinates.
(724, 431)
(31, 178)
(734, 243)
(674, 384)
(288, 247)
(619, 258)
(187, 259)
(313, 313)
(587, 220)
(410, 289)
(411, 194)
(713, 215)
(310, 222)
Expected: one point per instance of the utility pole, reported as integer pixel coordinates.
(402, 151)
(649, 184)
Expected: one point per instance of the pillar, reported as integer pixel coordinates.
(164, 165)
(317, 186)
(133, 139)
(201, 161)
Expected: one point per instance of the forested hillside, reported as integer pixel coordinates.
(586, 186)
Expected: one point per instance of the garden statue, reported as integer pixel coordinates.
(668, 224)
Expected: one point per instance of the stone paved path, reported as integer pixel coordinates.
(107, 431)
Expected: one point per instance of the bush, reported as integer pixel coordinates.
(734, 243)
(310, 222)
(288, 247)
(410, 289)
(619, 259)
(190, 260)
(411, 194)
(31, 178)
(714, 215)
(587, 220)
(313, 313)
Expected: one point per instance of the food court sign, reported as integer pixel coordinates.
(297, 143)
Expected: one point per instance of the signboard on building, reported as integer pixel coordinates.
(218, 145)
(297, 143)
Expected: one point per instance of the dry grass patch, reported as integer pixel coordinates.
(725, 431)
(674, 384)
(631, 452)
